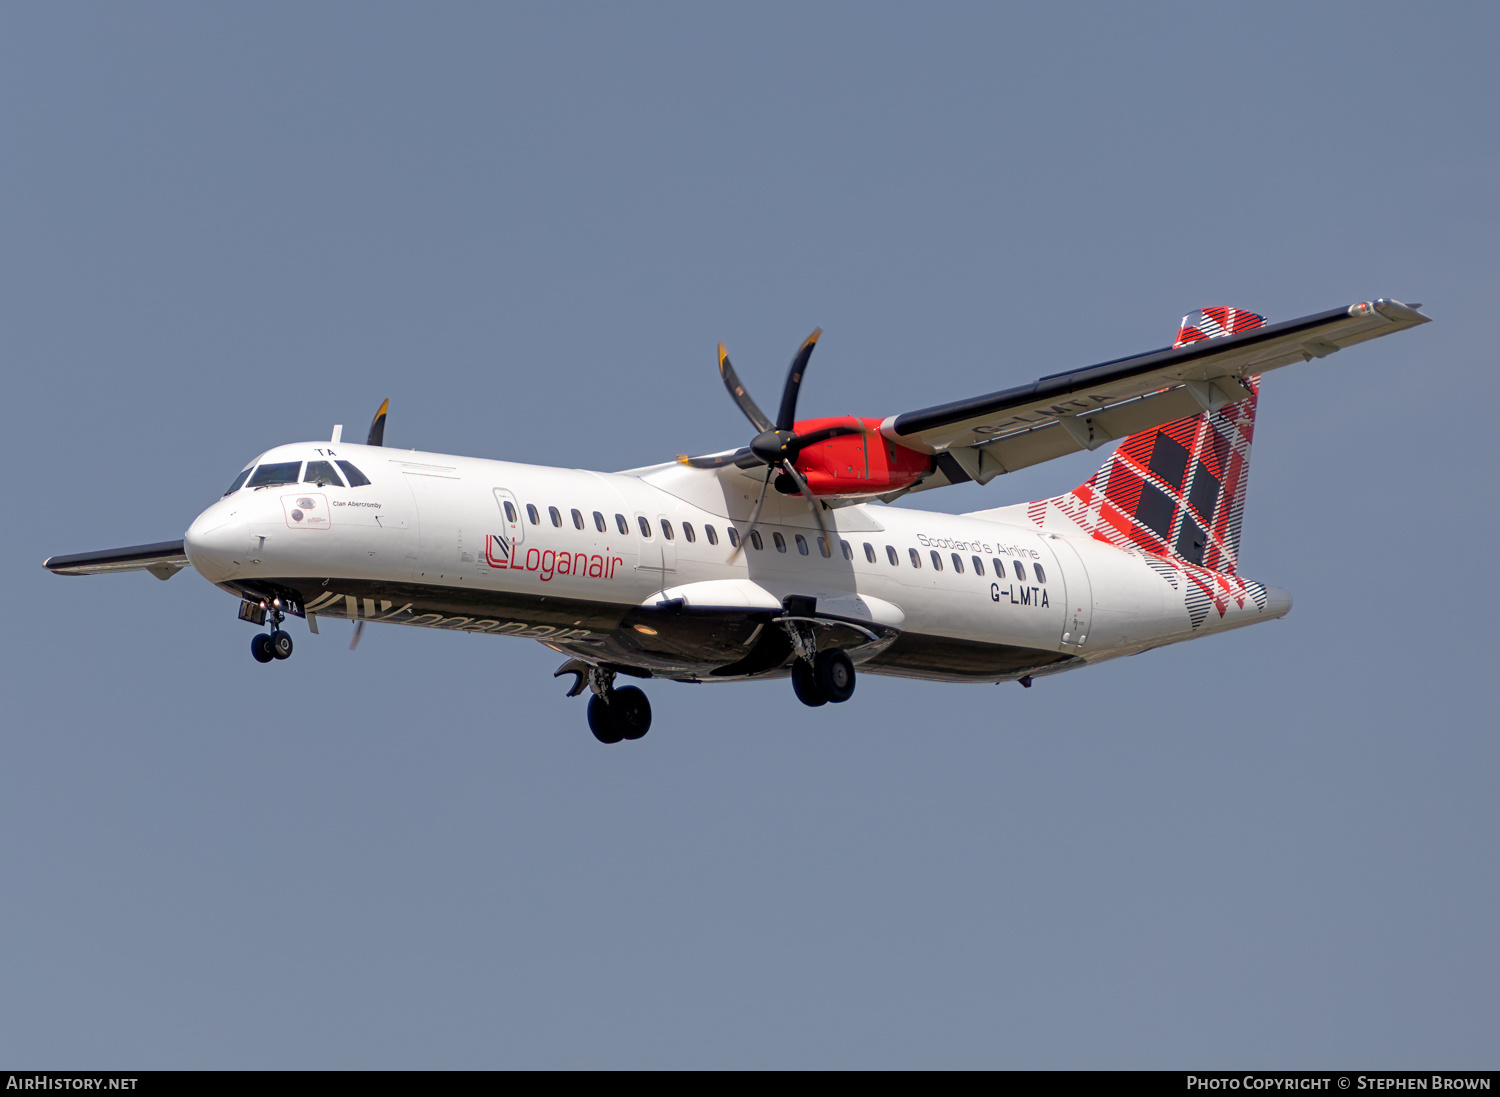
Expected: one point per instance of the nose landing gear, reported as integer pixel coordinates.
(278, 643)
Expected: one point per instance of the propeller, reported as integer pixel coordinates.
(777, 445)
(377, 425)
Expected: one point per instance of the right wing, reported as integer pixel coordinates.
(163, 560)
(979, 438)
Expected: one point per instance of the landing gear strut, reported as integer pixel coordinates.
(614, 714)
(278, 643)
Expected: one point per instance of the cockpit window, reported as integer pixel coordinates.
(357, 479)
(321, 472)
(283, 472)
(239, 481)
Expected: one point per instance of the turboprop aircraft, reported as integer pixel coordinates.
(773, 560)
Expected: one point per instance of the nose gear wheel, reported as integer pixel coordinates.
(278, 643)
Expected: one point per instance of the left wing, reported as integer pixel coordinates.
(163, 560)
(979, 438)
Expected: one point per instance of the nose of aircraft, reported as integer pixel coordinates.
(216, 544)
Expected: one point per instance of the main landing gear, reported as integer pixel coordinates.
(818, 677)
(614, 714)
(828, 676)
(278, 643)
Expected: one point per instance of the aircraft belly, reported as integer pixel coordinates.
(944, 659)
(467, 609)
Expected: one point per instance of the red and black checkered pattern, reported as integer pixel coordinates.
(1177, 492)
(1215, 321)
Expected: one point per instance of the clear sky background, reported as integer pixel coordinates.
(227, 227)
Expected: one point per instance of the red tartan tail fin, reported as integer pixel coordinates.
(1179, 489)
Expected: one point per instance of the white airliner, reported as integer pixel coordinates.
(772, 560)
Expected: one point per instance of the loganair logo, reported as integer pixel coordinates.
(499, 552)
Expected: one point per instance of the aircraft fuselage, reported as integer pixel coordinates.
(640, 571)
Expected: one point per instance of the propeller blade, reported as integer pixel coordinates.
(813, 437)
(817, 507)
(754, 515)
(359, 630)
(377, 426)
(739, 395)
(741, 457)
(788, 414)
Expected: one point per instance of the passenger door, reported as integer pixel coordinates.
(658, 552)
(1078, 610)
(502, 543)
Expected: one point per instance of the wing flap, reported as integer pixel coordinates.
(163, 560)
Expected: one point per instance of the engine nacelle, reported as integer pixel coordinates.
(857, 465)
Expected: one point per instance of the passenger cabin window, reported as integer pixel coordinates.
(640, 520)
(916, 558)
(687, 533)
(622, 525)
(239, 481)
(599, 523)
(756, 541)
(1019, 570)
(999, 567)
(510, 512)
(958, 563)
(801, 543)
(666, 529)
(356, 478)
(890, 552)
(712, 535)
(937, 560)
(577, 518)
(978, 565)
(284, 472)
(320, 473)
(555, 515)
(536, 519)
(869, 552)
(1041, 576)
(780, 541)
(848, 550)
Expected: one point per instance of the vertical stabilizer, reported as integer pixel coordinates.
(1175, 490)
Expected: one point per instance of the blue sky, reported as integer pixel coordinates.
(228, 227)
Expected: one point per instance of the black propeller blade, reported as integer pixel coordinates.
(788, 413)
(777, 446)
(377, 426)
(738, 394)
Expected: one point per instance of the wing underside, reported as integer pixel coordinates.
(163, 560)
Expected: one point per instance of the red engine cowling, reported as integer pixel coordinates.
(857, 465)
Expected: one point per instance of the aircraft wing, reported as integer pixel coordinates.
(163, 560)
(979, 438)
